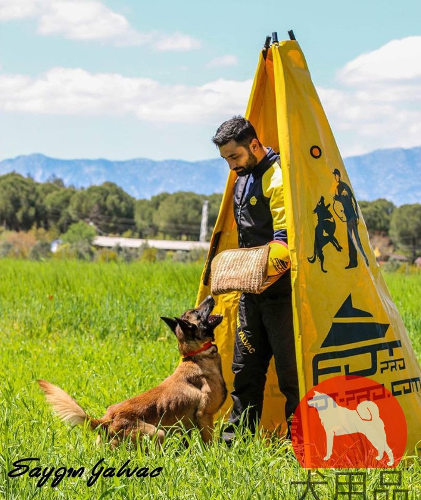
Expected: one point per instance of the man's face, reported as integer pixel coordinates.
(337, 178)
(239, 158)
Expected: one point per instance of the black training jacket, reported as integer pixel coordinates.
(259, 208)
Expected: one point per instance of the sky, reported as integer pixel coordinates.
(123, 79)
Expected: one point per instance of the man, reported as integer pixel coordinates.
(345, 196)
(264, 324)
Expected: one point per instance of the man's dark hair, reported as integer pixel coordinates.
(238, 129)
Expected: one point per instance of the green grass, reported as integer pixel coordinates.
(94, 329)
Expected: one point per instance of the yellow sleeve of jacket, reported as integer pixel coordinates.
(274, 190)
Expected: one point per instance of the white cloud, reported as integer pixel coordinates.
(89, 20)
(377, 103)
(223, 61)
(64, 91)
(365, 112)
(177, 42)
(18, 9)
(398, 60)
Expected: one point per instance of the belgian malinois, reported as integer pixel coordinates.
(324, 232)
(190, 396)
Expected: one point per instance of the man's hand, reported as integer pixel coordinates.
(278, 263)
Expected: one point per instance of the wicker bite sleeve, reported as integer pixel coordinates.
(240, 269)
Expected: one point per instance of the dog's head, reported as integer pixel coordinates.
(321, 206)
(195, 326)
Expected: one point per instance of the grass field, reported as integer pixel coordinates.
(94, 330)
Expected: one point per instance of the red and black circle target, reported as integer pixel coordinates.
(316, 151)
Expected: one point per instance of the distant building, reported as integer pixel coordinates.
(111, 242)
(55, 245)
(398, 257)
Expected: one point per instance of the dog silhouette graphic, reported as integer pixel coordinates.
(338, 420)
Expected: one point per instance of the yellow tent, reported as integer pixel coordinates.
(345, 322)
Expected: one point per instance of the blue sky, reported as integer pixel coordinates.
(120, 79)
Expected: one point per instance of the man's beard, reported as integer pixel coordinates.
(251, 163)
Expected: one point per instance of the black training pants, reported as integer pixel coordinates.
(264, 328)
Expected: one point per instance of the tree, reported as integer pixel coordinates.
(144, 210)
(179, 215)
(405, 228)
(56, 205)
(107, 206)
(143, 213)
(18, 202)
(214, 205)
(44, 189)
(79, 232)
(377, 214)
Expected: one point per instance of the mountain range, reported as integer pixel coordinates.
(393, 174)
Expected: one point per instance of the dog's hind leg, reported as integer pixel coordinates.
(336, 244)
(322, 259)
(389, 454)
(145, 429)
(312, 258)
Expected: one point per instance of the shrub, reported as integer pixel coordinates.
(5, 249)
(149, 254)
(21, 242)
(392, 265)
(41, 250)
(82, 251)
(106, 255)
(79, 232)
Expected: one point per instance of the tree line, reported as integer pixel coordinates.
(402, 224)
(25, 204)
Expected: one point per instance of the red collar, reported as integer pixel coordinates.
(203, 348)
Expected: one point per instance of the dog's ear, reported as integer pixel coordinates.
(171, 322)
(186, 326)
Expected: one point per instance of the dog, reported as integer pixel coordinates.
(338, 420)
(190, 396)
(324, 232)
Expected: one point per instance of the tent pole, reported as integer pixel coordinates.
(266, 47)
(267, 42)
(291, 35)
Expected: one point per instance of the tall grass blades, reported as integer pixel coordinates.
(94, 330)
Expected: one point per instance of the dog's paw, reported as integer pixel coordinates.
(327, 457)
(390, 462)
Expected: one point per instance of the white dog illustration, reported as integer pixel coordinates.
(338, 421)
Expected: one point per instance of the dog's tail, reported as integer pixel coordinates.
(65, 406)
(368, 411)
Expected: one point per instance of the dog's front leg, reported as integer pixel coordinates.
(329, 444)
(205, 423)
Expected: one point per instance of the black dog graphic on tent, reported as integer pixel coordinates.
(324, 232)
